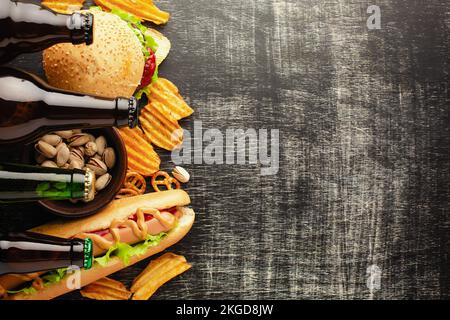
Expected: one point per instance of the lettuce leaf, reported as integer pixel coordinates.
(49, 278)
(124, 251)
(141, 32)
(103, 261)
(95, 8)
(27, 290)
(54, 276)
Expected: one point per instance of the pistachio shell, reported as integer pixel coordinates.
(59, 146)
(46, 149)
(77, 154)
(49, 164)
(76, 164)
(65, 134)
(40, 158)
(101, 145)
(63, 156)
(98, 166)
(90, 149)
(109, 157)
(79, 139)
(103, 182)
(181, 174)
(91, 137)
(52, 139)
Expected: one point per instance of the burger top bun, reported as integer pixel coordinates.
(112, 66)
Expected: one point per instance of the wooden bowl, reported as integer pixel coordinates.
(68, 209)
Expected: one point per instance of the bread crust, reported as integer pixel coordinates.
(112, 66)
(97, 272)
(118, 209)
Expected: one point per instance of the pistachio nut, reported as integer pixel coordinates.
(77, 154)
(181, 174)
(109, 157)
(98, 166)
(59, 146)
(49, 164)
(101, 144)
(79, 139)
(40, 158)
(91, 137)
(103, 182)
(46, 149)
(90, 149)
(52, 139)
(62, 156)
(76, 164)
(65, 134)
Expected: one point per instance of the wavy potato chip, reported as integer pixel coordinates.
(161, 128)
(63, 6)
(143, 9)
(106, 289)
(157, 273)
(173, 104)
(142, 158)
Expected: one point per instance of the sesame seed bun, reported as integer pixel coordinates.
(112, 66)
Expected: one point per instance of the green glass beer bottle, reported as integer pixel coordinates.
(23, 183)
(31, 252)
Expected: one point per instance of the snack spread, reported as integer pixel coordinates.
(119, 57)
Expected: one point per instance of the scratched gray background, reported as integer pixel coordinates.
(365, 149)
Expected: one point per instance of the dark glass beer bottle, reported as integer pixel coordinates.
(22, 183)
(26, 26)
(30, 108)
(31, 252)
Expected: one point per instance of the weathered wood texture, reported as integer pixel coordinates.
(365, 157)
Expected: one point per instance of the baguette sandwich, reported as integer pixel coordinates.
(127, 231)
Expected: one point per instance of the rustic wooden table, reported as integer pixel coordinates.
(364, 126)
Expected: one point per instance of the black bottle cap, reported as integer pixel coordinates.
(134, 111)
(128, 111)
(82, 27)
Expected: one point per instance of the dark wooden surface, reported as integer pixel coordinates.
(365, 149)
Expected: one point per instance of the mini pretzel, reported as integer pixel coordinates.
(135, 181)
(167, 181)
(126, 193)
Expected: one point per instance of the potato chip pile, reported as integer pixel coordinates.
(63, 6)
(166, 107)
(143, 9)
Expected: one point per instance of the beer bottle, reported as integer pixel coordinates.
(30, 108)
(26, 26)
(22, 183)
(31, 252)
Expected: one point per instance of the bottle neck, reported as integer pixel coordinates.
(82, 28)
(30, 19)
(82, 253)
(31, 252)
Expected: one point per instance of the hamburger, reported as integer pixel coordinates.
(122, 61)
